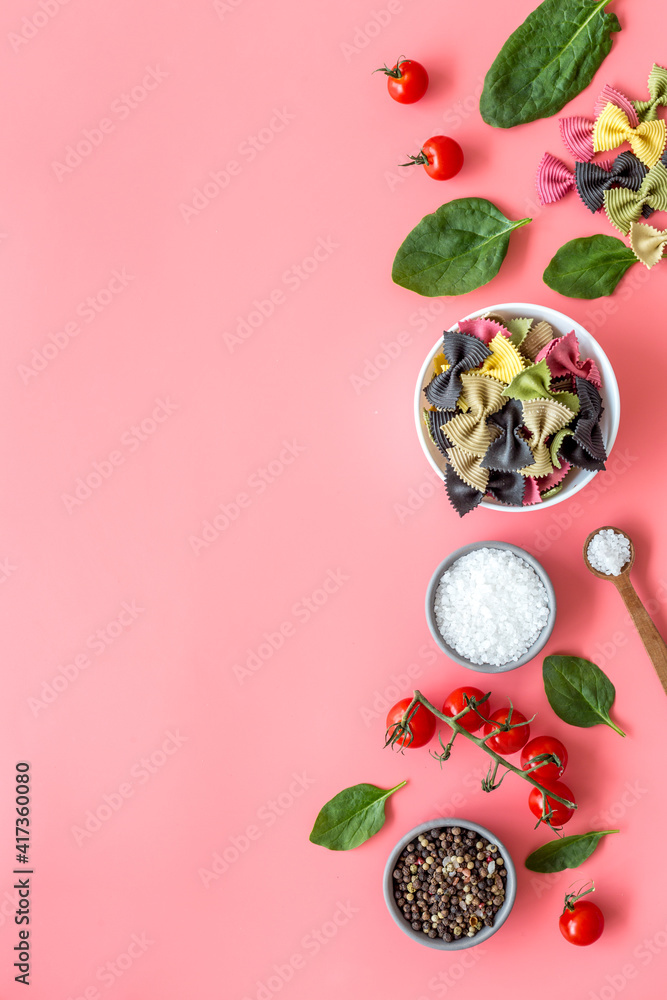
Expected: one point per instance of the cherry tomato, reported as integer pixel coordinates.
(583, 924)
(422, 724)
(512, 740)
(441, 157)
(406, 81)
(560, 813)
(538, 746)
(455, 703)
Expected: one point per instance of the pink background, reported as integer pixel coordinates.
(147, 732)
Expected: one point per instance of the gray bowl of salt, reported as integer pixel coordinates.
(491, 613)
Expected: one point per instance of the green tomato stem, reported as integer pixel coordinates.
(394, 73)
(421, 158)
(419, 699)
(572, 897)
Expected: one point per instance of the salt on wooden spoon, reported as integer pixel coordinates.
(653, 641)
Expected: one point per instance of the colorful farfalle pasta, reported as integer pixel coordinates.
(623, 207)
(647, 111)
(554, 179)
(577, 132)
(612, 128)
(635, 184)
(513, 407)
(648, 243)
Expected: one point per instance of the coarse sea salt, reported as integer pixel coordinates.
(490, 606)
(608, 551)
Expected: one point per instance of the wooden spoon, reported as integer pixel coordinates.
(653, 641)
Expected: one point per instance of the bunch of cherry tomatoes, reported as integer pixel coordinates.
(423, 725)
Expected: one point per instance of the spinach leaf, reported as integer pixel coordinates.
(567, 852)
(455, 249)
(588, 267)
(351, 817)
(547, 61)
(578, 691)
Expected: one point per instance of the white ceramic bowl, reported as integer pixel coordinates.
(576, 479)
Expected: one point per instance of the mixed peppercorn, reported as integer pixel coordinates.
(449, 883)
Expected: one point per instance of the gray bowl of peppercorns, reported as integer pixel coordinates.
(449, 884)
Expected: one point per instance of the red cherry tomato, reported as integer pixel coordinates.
(541, 745)
(512, 740)
(441, 157)
(422, 724)
(560, 813)
(444, 155)
(583, 924)
(455, 703)
(406, 81)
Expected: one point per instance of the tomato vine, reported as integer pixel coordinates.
(400, 733)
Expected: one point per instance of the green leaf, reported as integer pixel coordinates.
(547, 61)
(567, 852)
(578, 691)
(589, 267)
(351, 817)
(459, 247)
